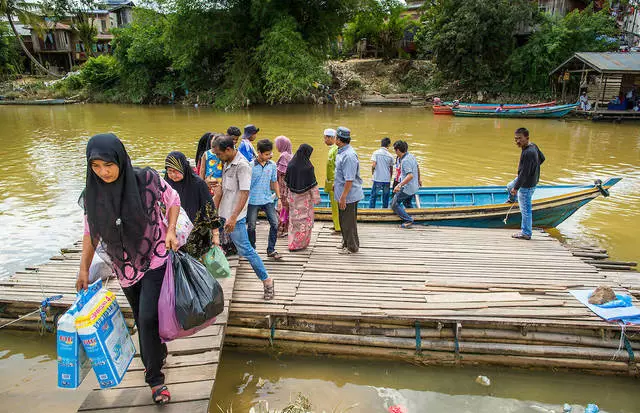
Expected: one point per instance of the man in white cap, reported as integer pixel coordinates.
(330, 140)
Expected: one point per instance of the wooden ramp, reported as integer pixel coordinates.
(453, 295)
(192, 362)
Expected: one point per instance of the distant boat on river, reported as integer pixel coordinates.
(447, 108)
(542, 112)
(481, 206)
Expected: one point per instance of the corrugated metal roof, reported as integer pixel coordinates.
(611, 61)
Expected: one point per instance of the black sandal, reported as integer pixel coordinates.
(159, 395)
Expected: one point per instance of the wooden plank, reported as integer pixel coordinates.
(141, 396)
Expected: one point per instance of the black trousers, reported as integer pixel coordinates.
(349, 226)
(143, 298)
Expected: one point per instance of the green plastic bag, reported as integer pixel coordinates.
(216, 263)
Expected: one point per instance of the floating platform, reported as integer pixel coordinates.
(191, 365)
(427, 295)
(437, 295)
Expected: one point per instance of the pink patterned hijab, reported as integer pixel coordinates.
(283, 145)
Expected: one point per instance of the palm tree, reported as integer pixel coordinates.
(26, 12)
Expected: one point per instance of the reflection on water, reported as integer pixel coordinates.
(43, 167)
(335, 385)
(28, 376)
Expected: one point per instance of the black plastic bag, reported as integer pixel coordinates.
(199, 296)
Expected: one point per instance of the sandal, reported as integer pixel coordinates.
(161, 395)
(406, 225)
(269, 291)
(274, 255)
(520, 235)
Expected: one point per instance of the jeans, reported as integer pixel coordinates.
(240, 238)
(272, 216)
(407, 202)
(398, 205)
(524, 201)
(386, 189)
(143, 297)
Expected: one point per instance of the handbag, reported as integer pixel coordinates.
(216, 262)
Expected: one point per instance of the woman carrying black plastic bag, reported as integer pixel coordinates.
(124, 208)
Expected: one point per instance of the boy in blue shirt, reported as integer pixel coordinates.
(264, 180)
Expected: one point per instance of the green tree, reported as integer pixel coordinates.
(556, 40)
(380, 22)
(26, 13)
(10, 62)
(288, 67)
(471, 40)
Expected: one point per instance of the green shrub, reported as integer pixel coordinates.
(100, 73)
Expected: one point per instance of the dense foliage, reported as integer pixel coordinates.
(10, 60)
(555, 41)
(471, 40)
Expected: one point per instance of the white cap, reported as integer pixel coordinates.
(330, 132)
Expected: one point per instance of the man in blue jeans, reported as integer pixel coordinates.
(264, 180)
(525, 184)
(408, 185)
(231, 198)
(381, 168)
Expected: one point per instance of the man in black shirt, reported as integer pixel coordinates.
(525, 184)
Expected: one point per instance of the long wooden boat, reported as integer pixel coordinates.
(481, 206)
(446, 109)
(546, 112)
(41, 102)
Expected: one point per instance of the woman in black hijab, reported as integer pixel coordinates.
(124, 208)
(196, 200)
(204, 144)
(303, 195)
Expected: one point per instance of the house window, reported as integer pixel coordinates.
(104, 26)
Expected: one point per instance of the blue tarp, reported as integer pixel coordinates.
(629, 315)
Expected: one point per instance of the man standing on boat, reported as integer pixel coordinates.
(408, 186)
(330, 140)
(525, 184)
(382, 169)
(347, 190)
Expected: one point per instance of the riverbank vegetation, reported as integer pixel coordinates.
(242, 52)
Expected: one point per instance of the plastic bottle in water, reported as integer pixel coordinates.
(592, 408)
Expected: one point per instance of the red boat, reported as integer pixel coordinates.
(446, 108)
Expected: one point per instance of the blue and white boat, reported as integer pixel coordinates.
(481, 206)
(539, 112)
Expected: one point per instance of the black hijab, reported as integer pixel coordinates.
(193, 191)
(204, 144)
(300, 176)
(123, 214)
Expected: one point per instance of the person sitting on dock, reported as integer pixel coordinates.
(525, 183)
(408, 185)
(231, 198)
(348, 190)
(122, 206)
(381, 168)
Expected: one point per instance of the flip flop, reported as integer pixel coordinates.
(161, 395)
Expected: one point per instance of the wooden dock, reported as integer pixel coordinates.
(435, 295)
(192, 362)
(428, 295)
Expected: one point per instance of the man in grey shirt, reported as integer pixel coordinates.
(231, 198)
(382, 169)
(347, 189)
(408, 185)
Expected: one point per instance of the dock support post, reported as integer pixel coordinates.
(418, 339)
(456, 339)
